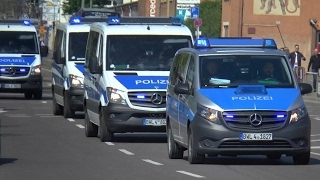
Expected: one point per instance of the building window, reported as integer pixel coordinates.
(226, 31)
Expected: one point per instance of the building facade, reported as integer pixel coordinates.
(289, 22)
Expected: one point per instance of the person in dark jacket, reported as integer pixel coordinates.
(314, 64)
(295, 58)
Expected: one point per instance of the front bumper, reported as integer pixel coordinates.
(21, 85)
(121, 118)
(75, 98)
(226, 141)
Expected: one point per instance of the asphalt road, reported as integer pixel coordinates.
(39, 146)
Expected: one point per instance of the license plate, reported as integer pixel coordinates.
(154, 122)
(12, 86)
(255, 136)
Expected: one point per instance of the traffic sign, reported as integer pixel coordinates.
(41, 30)
(197, 22)
(194, 12)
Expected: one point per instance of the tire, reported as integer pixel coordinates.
(28, 95)
(90, 128)
(174, 150)
(56, 108)
(274, 156)
(104, 133)
(38, 94)
(193, 157)
(67, 112)
(302, 159)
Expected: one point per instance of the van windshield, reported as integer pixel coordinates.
(77, 46)
(18, 42)
(229, 71)
(138, 52)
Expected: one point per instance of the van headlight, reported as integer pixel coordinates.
(36, 70)
(298, 114)
(208, 113)
(116, 96)
(75, 80)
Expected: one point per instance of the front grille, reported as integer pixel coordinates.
(255, 144)
(14, 71)
(148, 99)
(240, 120)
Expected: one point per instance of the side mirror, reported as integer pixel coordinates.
(93, 65)
(181, 88)
(44, 51)
(305, 88)
(57, 57)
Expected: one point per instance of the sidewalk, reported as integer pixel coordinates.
(311, 97)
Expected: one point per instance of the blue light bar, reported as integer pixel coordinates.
(113, 20)
(75, 20)
(176, 21)
(235, 43)
(280, 116)
(26, 22)
(140, 96)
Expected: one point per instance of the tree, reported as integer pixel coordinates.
(73, 6)
(210, 14)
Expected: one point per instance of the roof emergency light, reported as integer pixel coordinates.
(113, 20)
(26, 22)
(235, 43)
(75, 20)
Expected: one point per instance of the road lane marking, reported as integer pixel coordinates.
(315, 153)
(191, 174)
(80, 126)
(317, 140)
(109, 143)
(44, 102)
(46, 69)
(315, 135)
(70, 119)
(126, 152)
(318, 118)
(152, 162)
(315, 147)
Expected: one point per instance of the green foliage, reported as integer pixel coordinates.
(73, 6)
(210, 14)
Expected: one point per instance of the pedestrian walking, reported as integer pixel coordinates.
(295, 58)
(314, 64)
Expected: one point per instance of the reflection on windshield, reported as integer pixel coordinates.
(231, 71)
(77, 46)
(143, 52)
(18, 43)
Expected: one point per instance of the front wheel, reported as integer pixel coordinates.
(104, 133)
(174, 150)
(90, 128)
(67, 112)
(193, 156)
(302, 159)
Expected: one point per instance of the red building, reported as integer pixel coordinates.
(289, 22)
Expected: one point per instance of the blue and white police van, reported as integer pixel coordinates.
(68, 65)
(236, 96)
(126, 72)
(20, 59)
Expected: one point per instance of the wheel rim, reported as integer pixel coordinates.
(169, 140)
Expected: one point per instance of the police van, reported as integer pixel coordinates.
(68, 65)
(126, 72)
(236, 96)
(20, 59)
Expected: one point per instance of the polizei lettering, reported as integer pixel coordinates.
(159, 81)
(12, 60)
(153, 8)
(249, 98)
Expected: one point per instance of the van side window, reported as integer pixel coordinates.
(179, 69)
(100, 57)
(60, 43)
(92, 46)
(190, 72)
